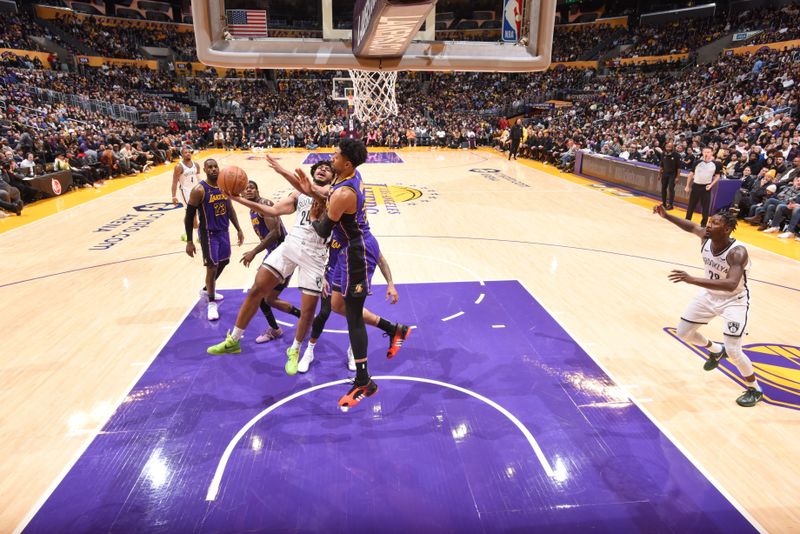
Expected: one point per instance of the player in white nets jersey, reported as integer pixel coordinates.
(185, 177)
(302, 250)
(724, 294)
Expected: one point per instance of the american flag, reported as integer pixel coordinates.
(247, 23)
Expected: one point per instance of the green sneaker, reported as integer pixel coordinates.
(750, 397)
(713, 359)
(291, 361)
(229, 346)
(184, 238)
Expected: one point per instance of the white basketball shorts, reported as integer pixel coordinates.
(308, 260)
(733, 309)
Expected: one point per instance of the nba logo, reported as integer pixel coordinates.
(512, 20)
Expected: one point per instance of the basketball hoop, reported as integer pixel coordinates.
(373, 97)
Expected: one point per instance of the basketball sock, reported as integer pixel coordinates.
(295, 311)
(362, 375)
(754, 384)
(237, 333)
(267, 311)
(713, 347)
(311, 346)
(386, 326)
(296, 344)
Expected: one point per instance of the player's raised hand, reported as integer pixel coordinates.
(658, 209)
(678, 276)
(273, 163)
(303, 182)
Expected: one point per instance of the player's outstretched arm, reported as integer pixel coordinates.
(277, 167)
(737, 259)
(285, 206)
(342, 201)
(683, 224)
(303, 183)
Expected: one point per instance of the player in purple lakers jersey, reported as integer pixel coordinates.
(346, 218)
(215, 215)
(271, 233)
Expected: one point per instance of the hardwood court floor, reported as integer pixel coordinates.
(93, 292)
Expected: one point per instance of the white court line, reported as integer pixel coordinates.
(85, 445)
(213, 488)
(667, 433)
(283, 323)
(480, 298)
(459, 314)
(498, 326)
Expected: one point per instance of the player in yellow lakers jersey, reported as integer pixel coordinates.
(723, 293)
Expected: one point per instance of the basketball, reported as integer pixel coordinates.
(232, 180)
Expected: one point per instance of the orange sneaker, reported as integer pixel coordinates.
(357, 394)
(401, 333)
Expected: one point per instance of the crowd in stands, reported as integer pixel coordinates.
(745, 107)
(131, 86)
(777, 25)
(16, 32)
(584, 41)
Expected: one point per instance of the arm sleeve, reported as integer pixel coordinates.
(323, 226)
(188, 221)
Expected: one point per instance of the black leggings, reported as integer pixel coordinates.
(354, 311)
(267, 311)
(322, 317)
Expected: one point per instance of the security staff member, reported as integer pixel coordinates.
(670, 164)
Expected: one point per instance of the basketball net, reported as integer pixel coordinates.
(373, 95)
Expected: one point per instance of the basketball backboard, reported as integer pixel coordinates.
(456, 35)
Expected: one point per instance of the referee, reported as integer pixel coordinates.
(701, 181)
(670, 164)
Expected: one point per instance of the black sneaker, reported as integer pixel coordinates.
(713, 359)
(750, 397)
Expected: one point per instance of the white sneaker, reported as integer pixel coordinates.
(786, 235)
(772, 230)
(305, 361)
(213, 312)
(217, 296)
(351, 360)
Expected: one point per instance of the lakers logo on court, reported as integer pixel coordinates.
(777, 368)
(384, 197)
